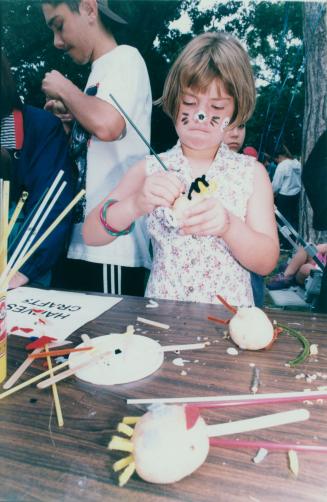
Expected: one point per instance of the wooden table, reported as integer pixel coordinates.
(40, 462)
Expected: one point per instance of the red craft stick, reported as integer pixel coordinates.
(227, 305)
(40, 342)
(216, 319)
(60, 352)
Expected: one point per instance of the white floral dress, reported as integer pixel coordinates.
(194, 268)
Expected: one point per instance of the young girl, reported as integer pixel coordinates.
(233, 227)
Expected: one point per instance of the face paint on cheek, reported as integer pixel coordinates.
(185, 118)
(214, 120)
(224, 124)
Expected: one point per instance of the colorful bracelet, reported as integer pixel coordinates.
(103, 218)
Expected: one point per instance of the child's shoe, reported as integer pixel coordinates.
(281, 281)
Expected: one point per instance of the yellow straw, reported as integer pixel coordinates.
(56, 222)
(32, 380)
(60, 419)
(17, 211)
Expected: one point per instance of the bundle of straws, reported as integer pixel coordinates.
(31, 235)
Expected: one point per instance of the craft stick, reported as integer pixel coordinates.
(138, 132)
(44, 236)
(60, 419)
(32, 224)
(28, 361)
(55, 353)
(227, 305)
(254, 424)
(17, 211)
(190, 346)
(71, 371)
(216, 319)
(237, 400)
(32, 380)
(153, 323)
(268, 445)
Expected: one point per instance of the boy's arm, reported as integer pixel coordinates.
(96, 115)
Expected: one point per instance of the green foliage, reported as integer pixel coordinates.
(268, 30)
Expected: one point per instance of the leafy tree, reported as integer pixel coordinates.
(272, 33)
(315, 117)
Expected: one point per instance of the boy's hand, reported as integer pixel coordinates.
(54, 84)
(207, 217)
(159, 190)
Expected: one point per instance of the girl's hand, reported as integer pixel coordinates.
(207, 217)
(159, 190)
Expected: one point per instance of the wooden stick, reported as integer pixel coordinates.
(242, 399)
(44, 236)
(226, 304)
(55, 353)
(32, 380)
(16, 254)
(60, 419)
(254, 424)
(190, 346)
(153, 323)
(71, 371)
(17, 211)
(28, 361)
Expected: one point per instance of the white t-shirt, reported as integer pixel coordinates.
(121, 72)
(287, 177)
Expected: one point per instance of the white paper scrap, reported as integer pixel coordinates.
(63, 311)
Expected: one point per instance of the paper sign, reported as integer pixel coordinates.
(36, 312)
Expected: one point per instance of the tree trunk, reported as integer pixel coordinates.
(315, 108)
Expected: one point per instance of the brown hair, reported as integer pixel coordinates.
(73, 5)
(8, 92)
(208, 57)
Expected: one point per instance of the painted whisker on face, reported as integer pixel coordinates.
(185, 118)
(214, 120)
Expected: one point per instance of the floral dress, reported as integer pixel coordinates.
(197, 268)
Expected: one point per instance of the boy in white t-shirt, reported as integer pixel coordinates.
(103, 144)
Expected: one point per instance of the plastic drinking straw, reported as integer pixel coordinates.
(236, 400)
(268, 445)
(138, 132)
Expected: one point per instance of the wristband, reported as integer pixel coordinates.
(109, 229)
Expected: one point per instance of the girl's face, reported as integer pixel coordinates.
(202, 117)
(234, 138)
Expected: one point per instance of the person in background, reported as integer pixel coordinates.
(216, 241)
(298, 269)
(314, 177)
(287, 187)
(103, 144)
(234, 138)
(251, 151)
(33, 150)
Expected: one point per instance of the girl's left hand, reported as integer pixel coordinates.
(207, 217)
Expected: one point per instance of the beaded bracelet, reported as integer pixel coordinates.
(103, 218)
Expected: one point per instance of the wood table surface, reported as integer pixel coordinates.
(41, 462)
